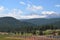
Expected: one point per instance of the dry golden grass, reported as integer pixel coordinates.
(14, 37)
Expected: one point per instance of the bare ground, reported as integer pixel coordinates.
(32, 38)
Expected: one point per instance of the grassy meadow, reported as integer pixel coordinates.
(23, 37)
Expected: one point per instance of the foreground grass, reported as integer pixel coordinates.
(9, 37)
(20, 37)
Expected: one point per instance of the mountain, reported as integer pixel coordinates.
(12, 24)
(44, 21)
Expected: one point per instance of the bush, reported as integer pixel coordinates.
(47, 32)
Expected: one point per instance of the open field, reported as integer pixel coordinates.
(16, 37)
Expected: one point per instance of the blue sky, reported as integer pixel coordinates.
(26, 9)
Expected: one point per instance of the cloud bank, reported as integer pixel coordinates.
(17, 13)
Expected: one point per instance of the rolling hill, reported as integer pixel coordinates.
(44, 21)
(12, 24)
(8, 24)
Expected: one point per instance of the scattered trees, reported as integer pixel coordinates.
(38, 30)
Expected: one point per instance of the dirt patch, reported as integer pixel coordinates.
(32, 38)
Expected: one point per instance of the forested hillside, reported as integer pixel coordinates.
(44, 21)
(9, 24)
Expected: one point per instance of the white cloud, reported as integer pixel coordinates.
(15, 13)
(48, 12)
(2, 11)
(22, 3)
(57, 5)
(2, 8)
(34, 7)
(33, 16)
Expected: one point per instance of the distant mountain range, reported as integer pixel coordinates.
(44, 21)
(10, 23)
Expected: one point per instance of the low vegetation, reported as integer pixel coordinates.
(20, 37)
